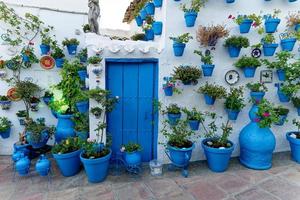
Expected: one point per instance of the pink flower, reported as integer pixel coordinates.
(230, 16)
(254, 24)
(257, 101)
(266, 114)
(31, 43)
(257, 120)
(233, 18)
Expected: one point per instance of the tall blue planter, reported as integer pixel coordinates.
(158, 3)
(249, 72)
(245, 25)
(82, 106)
(288, 44)
(149, 34)
(5, 134)
(209, 100)
(138, 20)
(295, 146)
(271, 25)
(207, 69)
(234, 51)
(150, 9)
(68, 163)
(281, 74)
(179, 157)
(269, 49)
(72, 49)
(64, 128)
(217, 159)
(178, 49)
(173, 118)
(157, 27)
(190, 18)
(44, 49)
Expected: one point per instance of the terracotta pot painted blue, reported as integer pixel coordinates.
(143, 14)
(178, 49)
(207, 69)
(295, 146)
(209, 100)
(68, 163)
(257, 96)
(249, 72)
(281, 74)
(194, 125)
(158, 3)
(157, 28)
(64, 128)
(297, 27)
(149, 34)
(230, 1)
(234, 51)
(25, 58)
(72, 49)
(133, 158)
(180, 157)
(5, 134)
(83, 106)
(232, 114)
(42, 166)
(44, 137)
(168, 91)
(59, 62)
(82, 135)
(271, 25)
(283, 98)
(190, 18)
(269, 49)
(138, 20)
(217, 159)
(246, 25)
(150, 9)
(173, 118)
(96, 169)
(22, 166)
(44, 49)
(82, 74)
(282, 119)
(288, 44)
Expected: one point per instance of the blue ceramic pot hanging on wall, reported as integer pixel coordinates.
(269, 49)
(150, 9)
(178, 49)
(281, 74)
(157, 27)
(157, 3)
(194, 124)
(149, 34)
(138, 20)
(288, 44)
(190, 18)
(234, 51)
(44, 49)
(207, 69)
(168, 90)
(271, 24)
(245, 25)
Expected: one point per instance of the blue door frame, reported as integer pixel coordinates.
(122, 61)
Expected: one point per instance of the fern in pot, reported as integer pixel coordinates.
(212, 92)
(235, 44)
(248, 65)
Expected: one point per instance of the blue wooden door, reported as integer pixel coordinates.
(133, 119)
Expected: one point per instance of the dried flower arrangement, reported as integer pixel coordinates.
(208, 35)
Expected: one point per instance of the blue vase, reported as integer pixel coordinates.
(143, 14)
(269, 49)
(271, 25)
(232, 114)
(257, 96)
(297, 27)
(138, 20)
(150, 9)
(282, 119)
(288, 44)
(253, 112)
(68, 163)
(82, 74)
(180, 157)
(194, 125)
(72, 49)
(230, 1)
(168, 91)
(44, 137)
(157, 3)
(249, 72)
(246, 25)
(82, 135)
(25, 58)
(42, 166)
(133, 158)
(173, 118)
(281, 74)
(217, 159)
(149, 34)
(209, 100)
(207, 69)
(59, 62)
(178, 49)
(44, 49)
(5, 134)
(295, 146)
(157, 28)
(82, 106)
(96, 169)
(190, 18)
(234, 51)
(22, 166)
(64, 128)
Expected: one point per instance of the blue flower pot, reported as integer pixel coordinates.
(232, 114)
(54, 113)
(64, 128)
(194, 125)
(217, 159)
(44, 137)
(149, 34)
(83, 59)
(59, 62)
(190, 18)
(209, 100)
(178, 49)
(25, 58)
(180, 157)
(282, 119)
(42, 166)
(157, 3)
(21, 148)
(150, 9)
(44, 49)
(168, 91)
(138, 20)
(207, 69)
(283, 98)
(22, 166)
(83, 106)
(281, 74)
(230, 1)
(47, 100)
(72, 49)
(96, 169)
(82, 135)
(133, 158)
(5, 134)
(297, 27)
(234, 51)
(157, 28)
(295, 146)
(271, 25)
(288, 44)
(143, 14)
(269, 49)
(173, 118)
(249, 72)
(257, 96)
(82, 74)
(68, 163)
(298, 111)
(17, 155)
(246, 25)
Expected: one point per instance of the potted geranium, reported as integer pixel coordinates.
(293, 21)
(34, 103)
(208, 36)
(71, 45)
(5, 102)
(191, 12)
(187, 74)
(58, 55)
(132, 154)
(194, 118)
(296, 103)
(234, 45)
(94, 60)
(179, 43)
(21, 114)
(170, 86)
(234, 102)
(282, 113)
(81, 127)
(48, 95)
(257, 91)
(96, 111)
(66, 154)
(206, 58)
(5, 127)
(28, 56)
(246, 21)
(294, 139)
(83, 55)
(272, 21)
(174, 113)
(212, 92)
(248, 65)
(269, 45)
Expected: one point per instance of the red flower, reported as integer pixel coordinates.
(257, 120)
(230, 16)
(31, 43)
(254, 24)
(266, 114)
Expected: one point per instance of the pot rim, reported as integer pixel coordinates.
(181, 149)
(66, 155)
(291, 139)
(217, 150)
(96, 160)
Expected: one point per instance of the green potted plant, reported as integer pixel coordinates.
(132, 154)
(34, 103)
(282, 113)
(234, 45)
(257, 91)
(94, 60)
(269, 44)
(82, 102)
(5, 127)
(97, 111)
(81, 127)
(194, 118)
(58, 55)
(191, 12)
(246, 21)
(234, 102)
(296, 103)
(206, 59)
(248, 65)
(5, 102)
(28, 56)
(294, 139)
(86, 28)
(208, 36)
(47, 40)
(174, 113)
(187, 74)
(71, 45)
(272, 21)
(170, 86)
(293, 20)
(212, 92)
(179, 43)
(82, 55)
(21, 114)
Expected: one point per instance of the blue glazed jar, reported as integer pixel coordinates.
(252, 112)
(72, 49)
(5, 134)
(143, 14)
(44, 49)
(178, 49)
(149, 34)
(59, 62)
(23, 166)
(295, 146)
(288, 44)
(209, 100)
(281, 74)
(157, 27)
(232, 114)
(150, 9)
(217, 159)
(173, 118)
(44, 137)
(271, 25)
(42, 166)
(257, 96)
(82, 106)
(194, 125)
(68, 163)
(168, 91)
(249, 72)
(233, 51)
(157, 3)
(64, 128)
(269, 49)
(245, 25)
(207, 69)
(180, 157)
(190, 18)
(138, 20)
(133, 158)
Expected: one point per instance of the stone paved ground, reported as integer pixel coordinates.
(238, 183)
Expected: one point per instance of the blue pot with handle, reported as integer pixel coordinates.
(190, 18)
(281, 74)
(295, 145)
(245, 25)
(249, 72)
(179, 157)
(72, 49)
(269, 49)
(207, 69)
(42, 166)
(271, 25)
(233, 51)
(178, 49)
(157, 27)
(232, 114)
(158, 3)
(138, 20)
(209, 100)
(150, 9)
(64, 127)
(194, 125)
(41, 142)
(68, 163)
(173, 118)
(59, 62)
(44, 49)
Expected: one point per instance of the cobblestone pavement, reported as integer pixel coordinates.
(282, 182)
